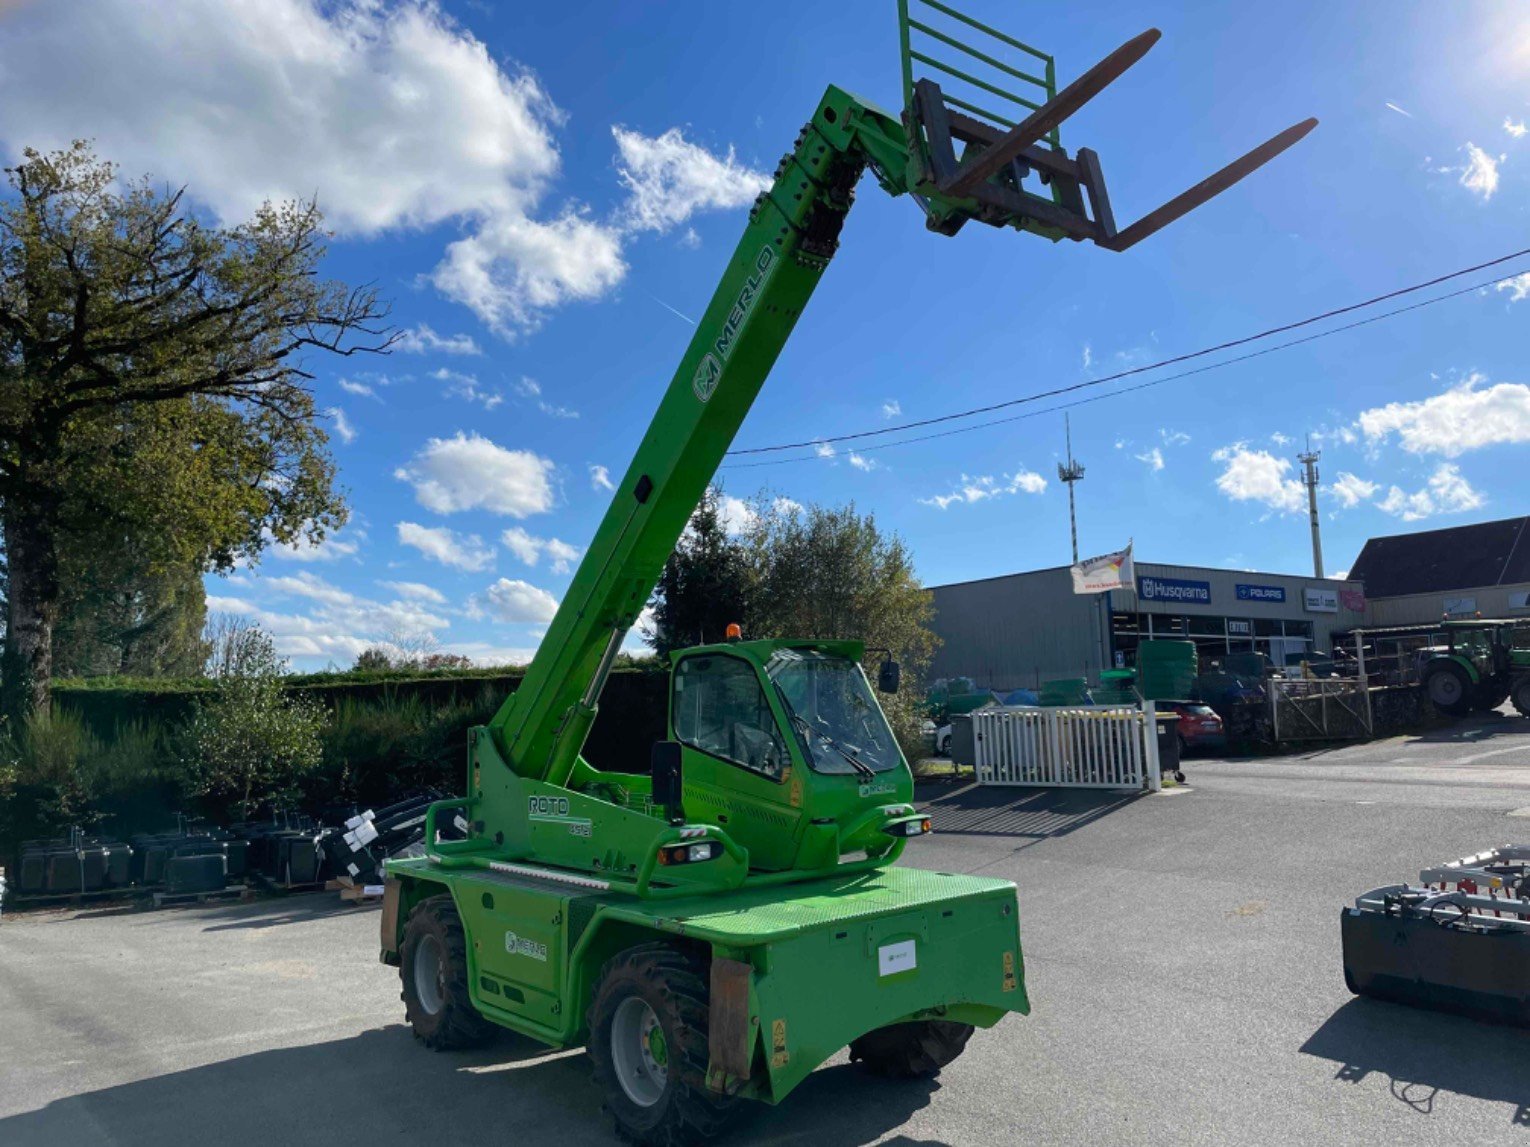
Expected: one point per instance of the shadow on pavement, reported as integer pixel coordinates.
(382, 1087)
(1424, 1053)
(1504, 725)
(1038, 814)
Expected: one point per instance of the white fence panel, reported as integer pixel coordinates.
(1080, 746)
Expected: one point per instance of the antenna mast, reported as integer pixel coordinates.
(1309, 461)
(1071, 473)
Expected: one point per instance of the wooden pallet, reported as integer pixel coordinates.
(172, 899)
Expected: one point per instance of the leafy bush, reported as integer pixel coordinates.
(253, 743)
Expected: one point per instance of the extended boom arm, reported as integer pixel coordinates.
(792, 234)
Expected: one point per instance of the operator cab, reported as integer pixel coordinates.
(783, 744)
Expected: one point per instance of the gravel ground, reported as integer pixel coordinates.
(1181, 952)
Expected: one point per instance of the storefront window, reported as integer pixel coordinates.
(1207, 626)
(1264, 627)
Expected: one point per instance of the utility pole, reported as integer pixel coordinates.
(1309, 461)
(1070, 474)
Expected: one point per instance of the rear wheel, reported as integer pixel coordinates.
(1449, 689)
(1521, 695)
(913, 1050)
(433, 967)
(648, 1041)
(1489, 697)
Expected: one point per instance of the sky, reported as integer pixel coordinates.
(548, 194)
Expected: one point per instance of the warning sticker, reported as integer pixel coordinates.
(778, 1056)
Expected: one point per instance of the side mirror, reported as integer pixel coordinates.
(889, 676)
(664, 765)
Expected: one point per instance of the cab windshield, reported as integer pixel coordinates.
(832, 712)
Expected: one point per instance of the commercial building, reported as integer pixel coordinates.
(1022, 629)
(1418, 579)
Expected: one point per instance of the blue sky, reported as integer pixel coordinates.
(548, 194)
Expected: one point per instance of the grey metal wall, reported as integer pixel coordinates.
(1424, 608)
(1012, 632)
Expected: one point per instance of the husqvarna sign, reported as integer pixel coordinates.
(1174, 589)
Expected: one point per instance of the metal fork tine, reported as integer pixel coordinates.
(1207, 188)
(990, 162)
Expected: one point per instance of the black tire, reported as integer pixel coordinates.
(440, 1012)
(911, 1051)
(1489, 697)
(670, 986)
(1521, 695)
(1449, 689)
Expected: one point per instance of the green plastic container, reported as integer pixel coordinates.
(1066, 691)
(1167, 669)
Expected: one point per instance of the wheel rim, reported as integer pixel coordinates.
(429, 974)
(1444, 687)
(639, 1052)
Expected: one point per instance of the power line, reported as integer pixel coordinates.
(1175, 360)
(984, 425)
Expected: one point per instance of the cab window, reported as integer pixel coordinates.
(720, 709)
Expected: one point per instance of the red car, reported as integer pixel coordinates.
(1199, 726)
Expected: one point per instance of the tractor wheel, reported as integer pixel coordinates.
(1449, 689)
(913, 1050)
(648, 1042)
(433, 967)
(1521, 695)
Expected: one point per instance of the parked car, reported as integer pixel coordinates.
(943, 741)
(1199, 726)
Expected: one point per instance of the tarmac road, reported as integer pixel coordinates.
(1181, 952)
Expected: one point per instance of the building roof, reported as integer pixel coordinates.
(1433, 561)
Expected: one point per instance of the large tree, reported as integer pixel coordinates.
(705, 584)
(152, 385)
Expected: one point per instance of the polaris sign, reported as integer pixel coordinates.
(1174, 589)
(1273, 593)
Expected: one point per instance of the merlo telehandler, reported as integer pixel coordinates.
(717, 921)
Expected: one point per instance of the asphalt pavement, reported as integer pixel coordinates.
(1182, 955)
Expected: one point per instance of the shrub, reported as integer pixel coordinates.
(252, 744)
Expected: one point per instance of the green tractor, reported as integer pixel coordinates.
(716, 921)
(1480, 668)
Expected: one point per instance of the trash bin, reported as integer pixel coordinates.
(1167, 721)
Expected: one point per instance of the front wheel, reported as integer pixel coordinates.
(1521, 695)
(648, 1042)
(915, 1050)
(1449, 690)
(433, 967)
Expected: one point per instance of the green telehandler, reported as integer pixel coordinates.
(715, 923)
(1486, 663)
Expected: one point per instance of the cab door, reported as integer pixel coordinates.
(738, 765)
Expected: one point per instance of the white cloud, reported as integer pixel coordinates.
(1465, 417)
(861, 462)
(343, 425)
(459, 385)
(1446, 492)
(512, 600)
(528, 387)
(529, 549)
(668, 179)
(416, 591)
(600, 478)
(1153, 458)
(786, 505)
(460, 551)
(1280, 440)
(1173, 437)
(1480, 175)
(1399, 110)
(310, 586)
(970, 490)
(891, 408)
(734, 514)
(351, 386)
(824, 450)
(391, 111)
(1517, 130)
(469, 472)
(1088, 356)
(1259, 476)
(300, 549)
(421, 339)
(1350, 491)
(1518, 287)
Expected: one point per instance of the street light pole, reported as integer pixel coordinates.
(1309, 462)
